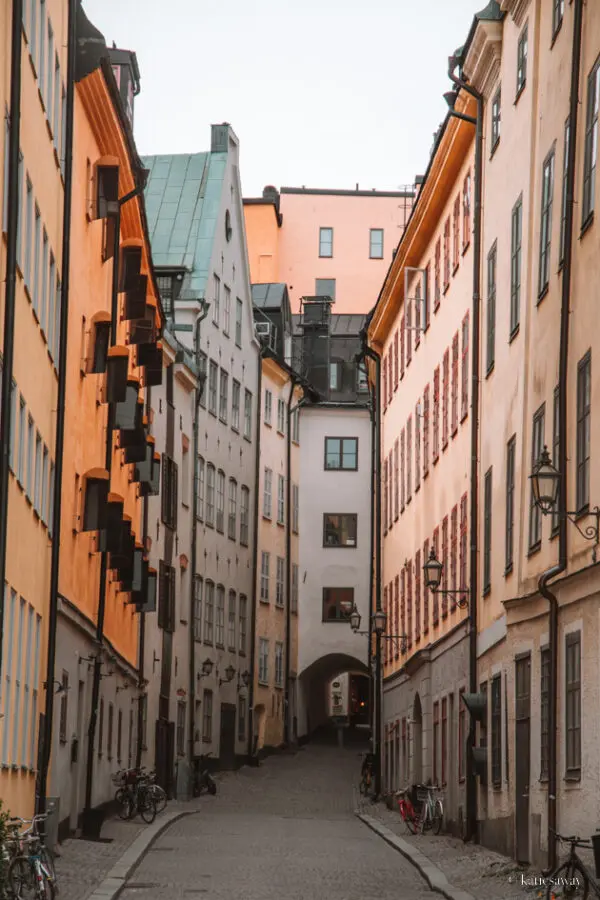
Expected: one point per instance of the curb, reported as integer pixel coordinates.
(434, 876)
(113, 884)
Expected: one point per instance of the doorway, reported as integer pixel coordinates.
(522, 741)
(227, 738)
(417, 741)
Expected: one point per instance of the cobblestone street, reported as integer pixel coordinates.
(287, 829)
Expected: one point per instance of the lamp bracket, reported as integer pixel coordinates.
(589, 532)
(462, 596)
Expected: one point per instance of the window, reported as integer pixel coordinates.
(207, 705)
(445, 397)
(263, 661)
(216, 299)
(279, 664)
(337, 602)
(408, 333)
(248, 415)
(281, 410)
(265, 562)
(232, 517)
(28, 232)
(436, 739)
(466, 237)
(558, 9)
(462, 737)
(409, 460)
(544, 709)
(279, 581)
(510, 503)
(522, 61)
(341, 453)
(454, 389)
(591, 142)
(464, 405)
(555, 452)
(44, 510)
(13, 424)
(402, 470)
(238, 322)
(220, 501)
(30, 431)
(496, 690)
(417, 599)
(231, 622)
(444, 561)
(462, 551)
(385, 383)
(244, 515)
(209, 613)
(210, 495)
(243, 613)
(213, 370)
(456, 233)
(325, 287)
(37, 248)
(453, 549)
(444, 741)
(235, 405)
(198, 584)
(584, 388)
(396, 479)
(339, 529)
(45, 263)
(326, 242)
(268, 407)
(426, 431)
(296, 425)
(436, 277)
(169, 491)
(516, 235)
(220, 617)
(37, 505)
(294, 597)
(280, 500)
(41, 54)
(436, 414)
(180, 731)
(64, 697)
(295, 508)
(402, 346)
(573, 702)
(537, 444)
(446, 254)
(166, 597)
(267, 493)
(487, 531)
(224, 396)
(546, 222)
(496, 102)
(376, 243)
(563, 212)
(101, 728)
(202, 370)
(491, 308)
(22, 438)
(226, 310)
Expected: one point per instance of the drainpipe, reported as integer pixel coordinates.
(376, 455)
(562, 439)
(137, 190)
(360, 356)
(11, 286)
(194, 554)
(288, 559)
(471, 830)
(255, 559)
(46, 736)
(142, 644)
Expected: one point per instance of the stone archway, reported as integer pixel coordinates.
(313, 685)
(417, 741)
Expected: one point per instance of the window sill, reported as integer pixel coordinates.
(211, 413)
(487, 591)
(266, 602)
(466, 247)
(508, 570)
(556, 33)
(464, 416)
(268, 424)
(208, 643)
(513, 333)
(234, 429)
(543, 779)
(425, 473)
(222, 420)
(281, 524)
(490, 370)
(280, 433)
(209, 525)
(445, 289)
(494, 147)
(535, 548)
(543, 293)
(573, 777)
(586, 225)
(554, 533)
(246, 438)
(436, 307)
(32, 64)
(455, 269)
(519, 92)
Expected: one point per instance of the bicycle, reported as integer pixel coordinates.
(15, 842)
(432, 812)
(135, 795)
(29, 876)
(571, 879)
(407, 810)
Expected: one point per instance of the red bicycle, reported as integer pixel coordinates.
(407, 811)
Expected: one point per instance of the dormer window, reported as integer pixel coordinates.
(169, 285)
(107, 192)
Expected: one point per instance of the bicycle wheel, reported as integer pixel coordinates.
(125, 804)
(45, 886)
(159, 796)
(409, 818)
(569, 882)
(147, 808)
(47, 858)
(438, 817)
(22, 881)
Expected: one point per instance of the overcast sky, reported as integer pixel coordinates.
(321, 93)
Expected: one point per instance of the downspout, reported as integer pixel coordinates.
(138, 190)
(46, 736)
(376, 454)
(194, 554)
(562, 439)
(288, 562)
(11, 287)
(372, 396)
(255, 559)
(471, 830)
(142, 643)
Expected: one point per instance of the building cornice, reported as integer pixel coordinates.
(482, 63)
(516, 8)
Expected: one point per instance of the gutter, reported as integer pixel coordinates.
(561, 566)
(45, 737)
(11, 287)
(255, 559)
(142, 643)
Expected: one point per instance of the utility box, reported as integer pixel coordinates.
(51, 823)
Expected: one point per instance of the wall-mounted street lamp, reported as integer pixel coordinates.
(545, 483)
(378, 626)
(207, 667)
(60, 687)
(229, 673)
(432, 570)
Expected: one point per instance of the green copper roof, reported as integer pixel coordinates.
(183, 195)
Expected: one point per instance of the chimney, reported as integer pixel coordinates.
(127, 75)
(271, 194)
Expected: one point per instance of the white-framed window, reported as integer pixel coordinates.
(294, 597)
(244, 515)
(280, 581)
(37, 503)
(265, 564)
(268, 493)
(263, 661)
(210, 495)
(235, 404)
(376, 243)
(201, 487)
(243, 621)
(216, 300)
(326, 242)
(226, 309)
(295, 508)
(213, 371)
(232, 517)
(22, 439)
(220, 618)
(268, 407)
(198, 585)
(281, 416)
(220, 501)
(209, 612)
(224, 396)
(296, 426)
(248, 415)
(280, 499)
(279, 664)
(238, 322)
